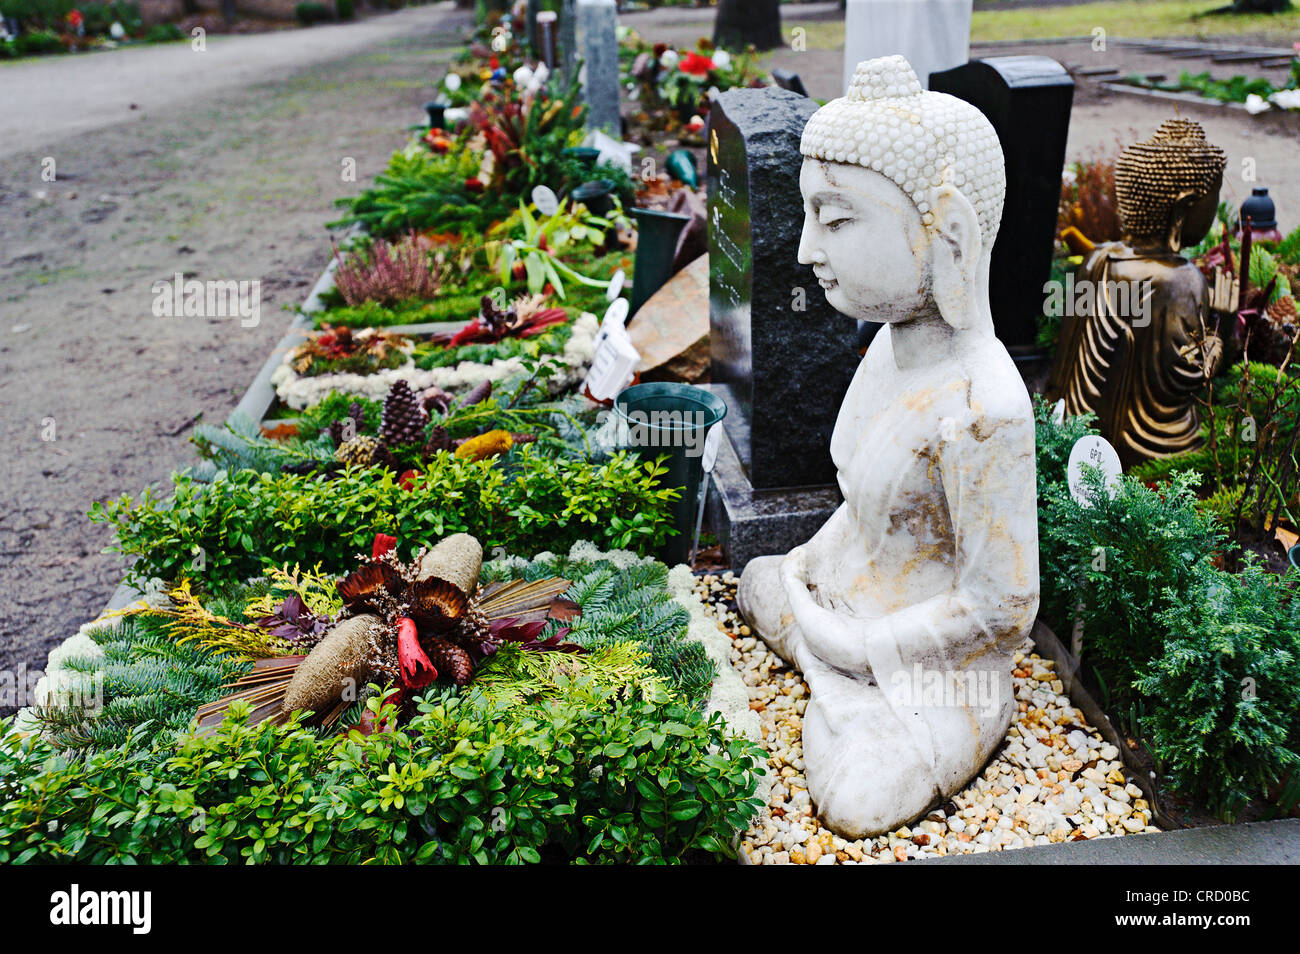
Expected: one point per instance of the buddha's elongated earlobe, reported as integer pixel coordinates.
(956, 249)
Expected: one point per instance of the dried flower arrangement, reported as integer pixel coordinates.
(334, 350)
(525, 317)
(402, 623)
(1089, 202)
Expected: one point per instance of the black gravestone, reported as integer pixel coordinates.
(788, 80)
(1027, 99)
(782, 357)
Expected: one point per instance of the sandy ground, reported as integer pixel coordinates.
(226, 171)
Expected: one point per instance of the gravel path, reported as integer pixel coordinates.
(233, 184)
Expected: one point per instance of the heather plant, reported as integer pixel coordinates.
(386, 272)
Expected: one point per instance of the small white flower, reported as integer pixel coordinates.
(1069, 176)
(452, 82)
(1256, 104)
(117, 31)
(669, 59)
(721, 59)
(523, 76)
(596, 772)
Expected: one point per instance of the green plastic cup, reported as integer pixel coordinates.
(666, 418)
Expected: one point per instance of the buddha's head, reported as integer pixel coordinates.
(903, 192)
(1168, 187)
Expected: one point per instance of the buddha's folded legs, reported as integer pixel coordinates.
(864, 771)
(762, 601)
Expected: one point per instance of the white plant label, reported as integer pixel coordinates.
(616, 284)
(710, 455)
(613, 366)
(545, 200)
(615, 319)
(1058, 412)
(1097, 452)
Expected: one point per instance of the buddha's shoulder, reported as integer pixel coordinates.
(994, 389)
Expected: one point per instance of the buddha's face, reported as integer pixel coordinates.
(865, 241)
(1200, 216)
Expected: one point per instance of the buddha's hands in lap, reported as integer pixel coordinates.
(836, 639)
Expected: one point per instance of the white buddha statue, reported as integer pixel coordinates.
(904, 610)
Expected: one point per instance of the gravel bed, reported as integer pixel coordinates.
(1055, 779)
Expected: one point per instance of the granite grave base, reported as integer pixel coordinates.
(752, 523)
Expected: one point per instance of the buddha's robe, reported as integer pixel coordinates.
(930, 566)
(1138, 369)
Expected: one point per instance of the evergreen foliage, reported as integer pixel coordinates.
(245, 521)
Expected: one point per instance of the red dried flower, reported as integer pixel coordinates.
(382, 545)
(417, 671)
(474, 184)
(407, 480)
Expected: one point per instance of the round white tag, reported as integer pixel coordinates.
(545, 200)
(1097, 452)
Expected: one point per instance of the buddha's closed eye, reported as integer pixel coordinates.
(834, 216)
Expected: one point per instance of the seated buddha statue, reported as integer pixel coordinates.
(1139, 350)
(904, 610)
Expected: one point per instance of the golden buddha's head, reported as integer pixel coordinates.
(903, 193)
(1168, 186)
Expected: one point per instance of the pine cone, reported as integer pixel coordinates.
(1283, 311)
(450, 660)
(439, 440)
(404, 420)
(360, 451)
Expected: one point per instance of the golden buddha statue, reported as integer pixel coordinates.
(1134, 346)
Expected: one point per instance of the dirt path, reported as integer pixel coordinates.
(48, 99)
(232, 184)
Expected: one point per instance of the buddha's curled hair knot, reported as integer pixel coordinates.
(917, 139)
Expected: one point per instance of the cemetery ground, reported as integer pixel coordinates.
(229, 184)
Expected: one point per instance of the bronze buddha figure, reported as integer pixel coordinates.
(1137, 349)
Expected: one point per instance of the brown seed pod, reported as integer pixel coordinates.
(338, 662)
(456, 559)
(451, 661)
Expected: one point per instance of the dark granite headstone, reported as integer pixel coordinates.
(1027, 99)
(781, 357)
(787, 79)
